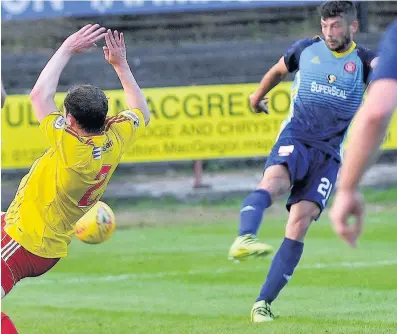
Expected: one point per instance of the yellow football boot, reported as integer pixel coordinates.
(261, 312)
(248, 245)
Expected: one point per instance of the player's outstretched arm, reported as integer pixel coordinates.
(43, 92)
(370, 124)
(368, 130)
(3, 95)
(367, 133)
(270, 80)
(116, 55)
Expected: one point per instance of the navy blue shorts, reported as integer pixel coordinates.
(313, 172)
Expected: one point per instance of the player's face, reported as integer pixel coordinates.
(338, 33)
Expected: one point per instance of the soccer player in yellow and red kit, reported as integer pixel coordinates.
(85, 148)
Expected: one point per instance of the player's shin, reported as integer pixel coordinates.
(251, 213)
(281, 269)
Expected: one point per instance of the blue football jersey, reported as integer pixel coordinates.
(386, 67)
(326, 93)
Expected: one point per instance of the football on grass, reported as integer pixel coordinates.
(97, 225)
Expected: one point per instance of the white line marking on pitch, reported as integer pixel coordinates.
(64, 279)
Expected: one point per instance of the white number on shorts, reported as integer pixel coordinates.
(325, 188)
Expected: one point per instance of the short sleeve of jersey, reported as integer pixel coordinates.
(128, 125)
(292, 55)
(386, 66)
(52, 126)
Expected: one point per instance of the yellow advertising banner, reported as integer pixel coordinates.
(197, 122)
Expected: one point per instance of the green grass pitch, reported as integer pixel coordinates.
(169, 273)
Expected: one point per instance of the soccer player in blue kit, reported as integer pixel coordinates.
(330, 80)
(366, 136)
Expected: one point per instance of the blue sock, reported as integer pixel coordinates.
(281, 270)
(252, 210)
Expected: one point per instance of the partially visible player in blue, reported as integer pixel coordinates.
(369, 129)
(331, 77)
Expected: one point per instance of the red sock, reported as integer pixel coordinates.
(7, 326)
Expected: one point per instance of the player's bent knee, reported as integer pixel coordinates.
(300, 219)
(276, 181)
(297, 229)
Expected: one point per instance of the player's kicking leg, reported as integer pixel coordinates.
(286, 259)
(275, 182)
(281, 171)
(308, 199)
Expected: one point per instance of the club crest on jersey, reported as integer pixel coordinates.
(331, 78)
(350, 67)
(60, 123)
(97, 153)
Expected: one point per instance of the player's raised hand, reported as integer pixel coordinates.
(85, 38)
(115, 51)
(347, 203)
(259, 105)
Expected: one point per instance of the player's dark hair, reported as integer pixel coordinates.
(345, 9)
(89, 106)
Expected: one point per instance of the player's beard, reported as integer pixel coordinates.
(343, 45)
